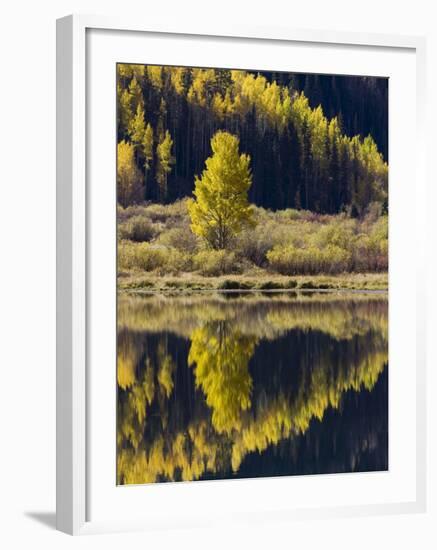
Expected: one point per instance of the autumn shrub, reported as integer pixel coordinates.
(339, 232)
(141, 256)
(289, 260)
(230, 284)
(157, 212)
(147, 257)
(166, 213)
(253, 245)
(138, 229)
(369, 253)
(290, 214)
(287, 241)
(271, 285)
(212, 263)
(124, 214)
(181, 238)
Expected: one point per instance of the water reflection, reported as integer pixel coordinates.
(219, 386)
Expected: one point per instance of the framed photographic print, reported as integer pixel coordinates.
(240, 331)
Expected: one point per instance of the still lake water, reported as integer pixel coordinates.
(217, 386)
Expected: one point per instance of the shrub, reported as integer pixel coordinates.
(215, 262)
(278, 285)
(138, 229)
(254, 244)
(340, 233)
(270, 285)
(147, 257)
(370, 254)
(373, 212)
(290, 214)
(157, 212)
(178, 261)
(290, 260)
(124, 214)
(140, 256)
(166, 212)
(286, 241)
(379, 230)
(181, 238)
(229, 284)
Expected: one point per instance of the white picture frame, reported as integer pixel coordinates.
(72, 389)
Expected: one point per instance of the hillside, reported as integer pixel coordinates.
(300, 158)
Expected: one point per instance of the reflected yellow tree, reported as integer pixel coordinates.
(127, 357)
(160, 440)
(166, 367)
(221, 357)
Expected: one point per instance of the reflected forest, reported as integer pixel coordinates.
(252, 285)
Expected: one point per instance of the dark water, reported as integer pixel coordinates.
(222, 386)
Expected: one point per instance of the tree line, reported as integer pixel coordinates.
(300, 158)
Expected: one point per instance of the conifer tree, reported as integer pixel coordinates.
(221, 208)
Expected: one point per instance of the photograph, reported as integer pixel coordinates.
(252, 273)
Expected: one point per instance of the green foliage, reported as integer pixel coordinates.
(221, 208)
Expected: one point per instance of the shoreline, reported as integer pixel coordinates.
(187, 284)
(212, 291)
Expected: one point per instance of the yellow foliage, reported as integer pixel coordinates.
(129, 179)
(221, 357)
(221, 208)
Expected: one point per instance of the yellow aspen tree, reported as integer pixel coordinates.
(124, 109)
(137, 127)
(154, 73)
(165, 162)
(147, 146)
(136, 94)
(129, 179)
(221, 208)
(177, 78)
